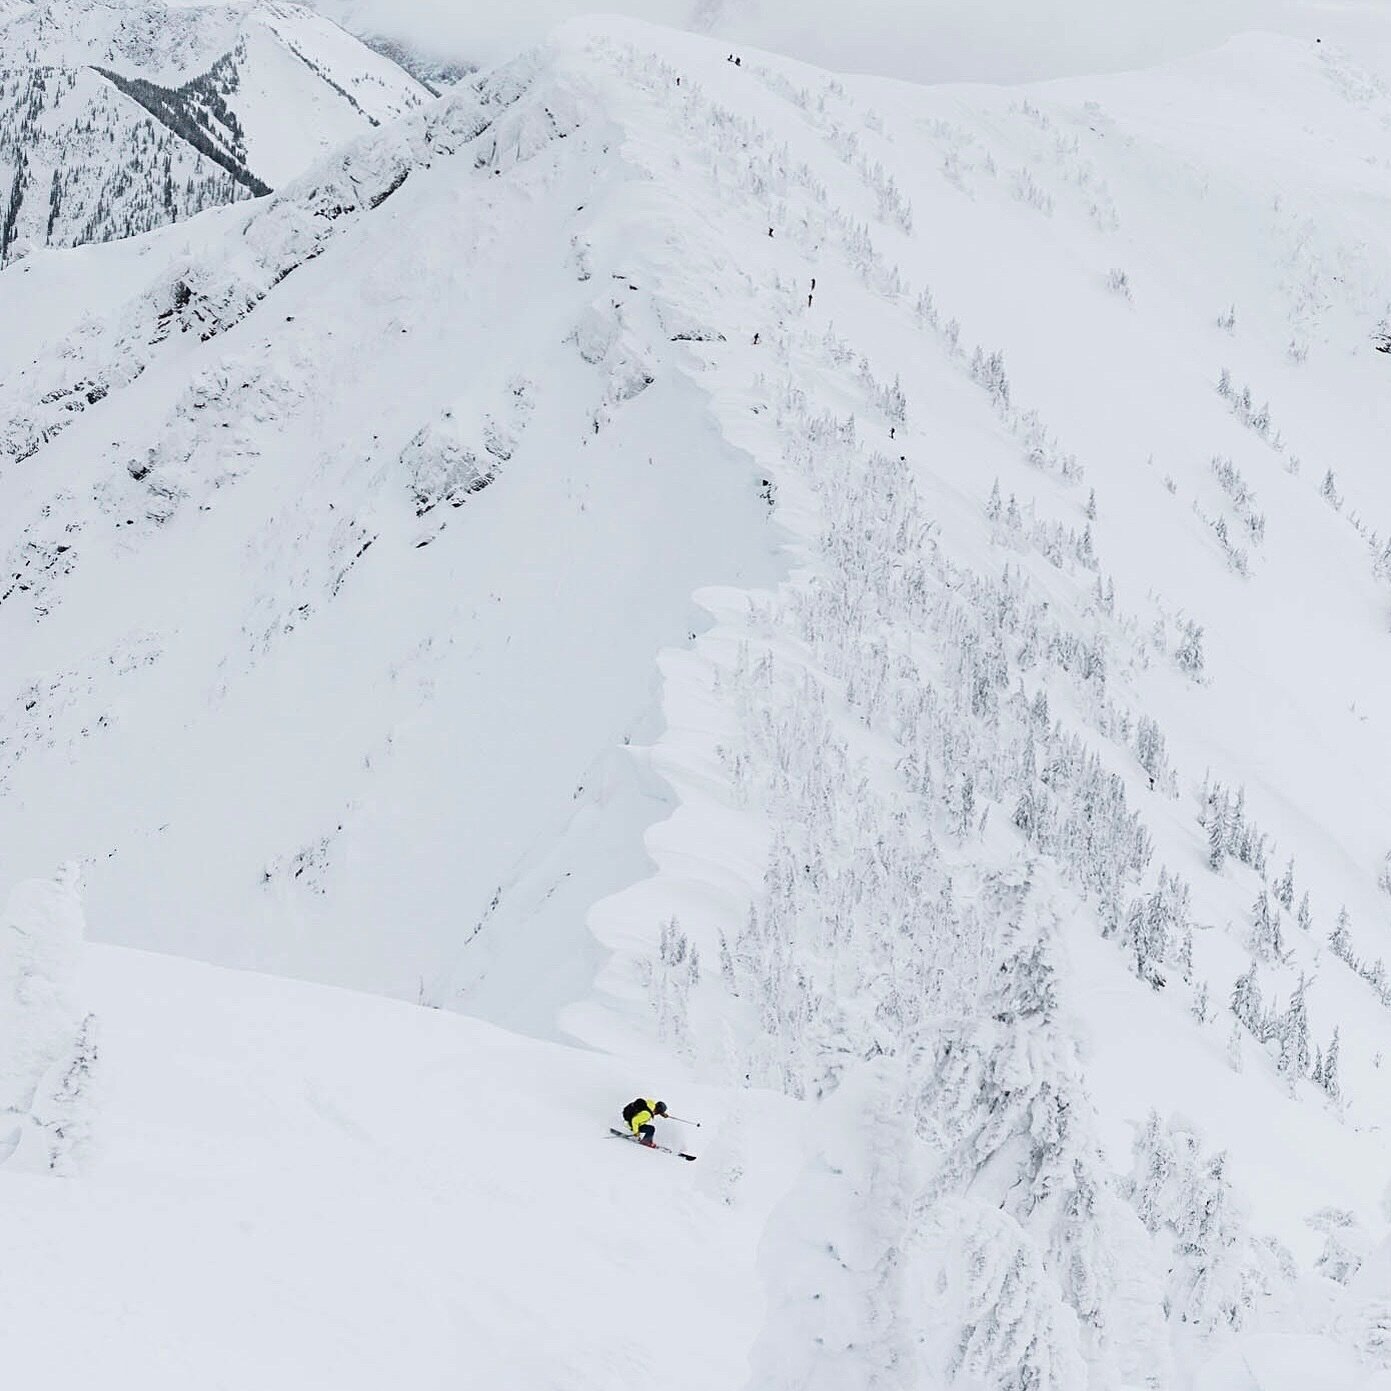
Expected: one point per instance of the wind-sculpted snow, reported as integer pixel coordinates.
(195, 414)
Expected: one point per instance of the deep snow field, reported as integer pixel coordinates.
(862, 609)
(299, 1187)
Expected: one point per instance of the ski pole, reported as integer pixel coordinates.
(682, 1119)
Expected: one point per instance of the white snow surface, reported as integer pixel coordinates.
(299, 1187)
(706, 562)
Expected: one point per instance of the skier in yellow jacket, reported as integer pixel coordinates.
(639, 1115)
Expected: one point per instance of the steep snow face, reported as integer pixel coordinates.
(405, 480)
(118, 119)
(60, 288)
(1025, 449)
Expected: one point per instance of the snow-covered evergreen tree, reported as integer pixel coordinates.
(1184, 1195)
(1292, 1032)
(1267, 934)
(68, 1114)
(1329, 1079)
(1217, 839)
(1340, 939)
(1284, 888)
(1189, 653)
(41, 931)
(1246, 1002)
(1304, 916)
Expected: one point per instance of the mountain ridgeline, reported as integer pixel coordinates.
(869, 600)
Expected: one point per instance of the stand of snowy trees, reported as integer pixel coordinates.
(80, 161)
(48, 1050)
(947, 763)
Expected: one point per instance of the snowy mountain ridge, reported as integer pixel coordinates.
(1021, 448)
(117, 119)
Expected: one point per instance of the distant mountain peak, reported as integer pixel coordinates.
(242, 97)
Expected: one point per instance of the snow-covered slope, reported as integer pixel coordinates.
(295, 86)
(293, 1186)
(115, 119)
(335, 780)
(1021, 449)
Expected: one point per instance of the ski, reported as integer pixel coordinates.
(624, 1135)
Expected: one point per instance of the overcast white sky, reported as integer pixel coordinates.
(922, 40)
